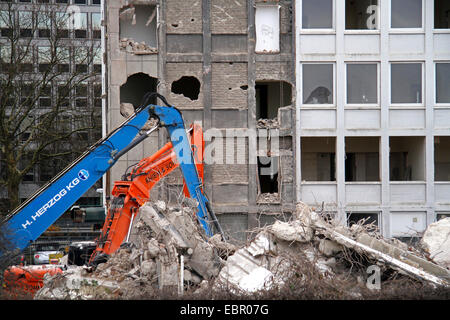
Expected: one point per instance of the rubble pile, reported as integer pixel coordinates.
(167, 250)
(165, 246)
(268, 123)
(138, 48)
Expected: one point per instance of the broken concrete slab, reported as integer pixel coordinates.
(247, 269)
(291, 231)
(329, 248)
(436, 242)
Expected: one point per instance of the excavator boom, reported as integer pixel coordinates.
(134, 191)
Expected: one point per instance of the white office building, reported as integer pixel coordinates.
(373, 110)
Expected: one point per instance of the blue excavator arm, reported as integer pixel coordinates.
(26, 223)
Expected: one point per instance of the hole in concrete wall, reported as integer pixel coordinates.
(138, 22)
(136, 87)
(187, 86)
(270, 96)
(268, 174)
(407, 158)
(318, 158)
(362, 159)
(244, 87)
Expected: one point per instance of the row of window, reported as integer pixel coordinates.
(39, 24)
(63, 58)
(363, 81)
(78, 2)
(82, 95)
(365, 14)
(363, 157)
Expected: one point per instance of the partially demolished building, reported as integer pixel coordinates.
(203, 56)
(340, 104)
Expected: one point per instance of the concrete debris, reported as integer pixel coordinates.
(267, 123)
(137, 48)
(127, 110)
(268, 198)
(436, 242)
(160, 238)
(128, 14)
(168, 250)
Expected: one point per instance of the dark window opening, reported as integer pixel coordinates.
(45, 102)
(362, 159)
(363, 218)
(81, 68)
(441, 158)
(26, 33)
(44, 33)
(318, 158)
(6, 32)
(268, 174)
(361, 14)
(63, 67)
(407, 158)
(441, 14)
(136, 87)
(96, 34)
(45, 67)
(138, 22)
(62, 33)
(187, 86)
(270, 96)
(440, 216)
(80, 34)
(26, 67)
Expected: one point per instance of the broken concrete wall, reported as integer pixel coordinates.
(208, 42)
(182, 98)
(122, 64)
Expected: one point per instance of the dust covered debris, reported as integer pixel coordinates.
(168, 250)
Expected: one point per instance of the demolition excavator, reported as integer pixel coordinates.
(26, 223)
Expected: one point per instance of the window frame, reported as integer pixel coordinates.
(438, 30)
(331, 30)
(436, 103)
(324, 105)
(407, 30)
(409, 104)
(378, 86)
(364, 31)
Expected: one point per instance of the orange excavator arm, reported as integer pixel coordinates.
(134, 191)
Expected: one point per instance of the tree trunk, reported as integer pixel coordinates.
(13, 180)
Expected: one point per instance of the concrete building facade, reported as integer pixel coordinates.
(377, 129)
(202, 56)
(341, 104)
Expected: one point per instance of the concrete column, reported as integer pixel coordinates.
(385, 225)
(339, 89)
(429, 71)
(251, 102)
